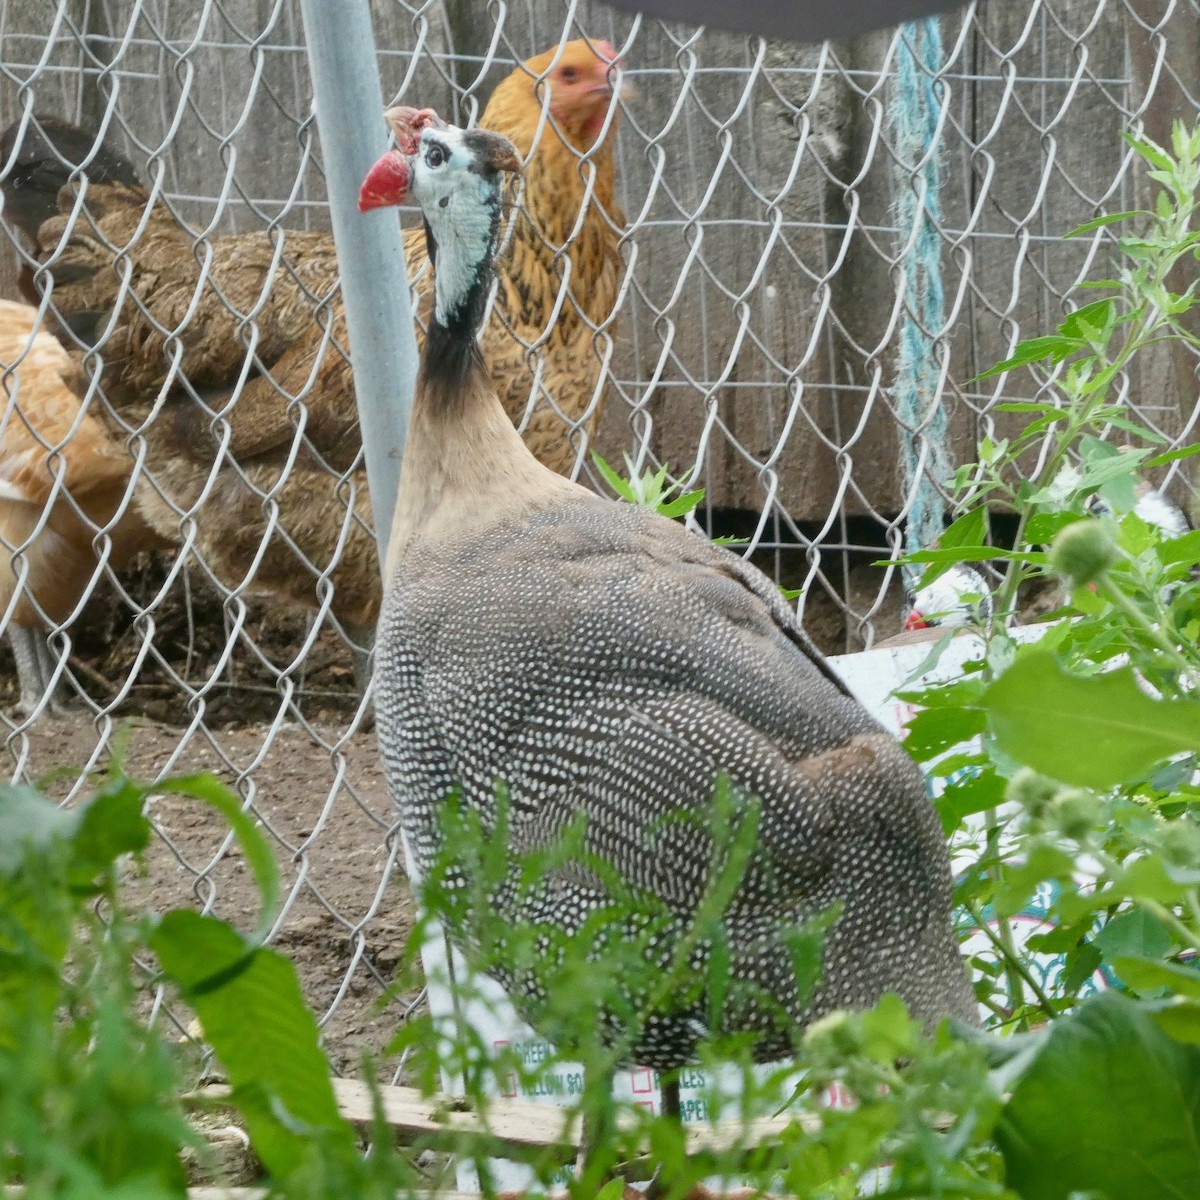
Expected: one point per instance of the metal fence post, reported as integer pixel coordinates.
(349, 106)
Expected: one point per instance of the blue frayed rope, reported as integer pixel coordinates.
(914, 120)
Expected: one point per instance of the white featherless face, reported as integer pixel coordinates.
(458, 196)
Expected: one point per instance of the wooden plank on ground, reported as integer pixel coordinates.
(514, 1123)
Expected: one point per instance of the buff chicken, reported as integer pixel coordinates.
(66, 499)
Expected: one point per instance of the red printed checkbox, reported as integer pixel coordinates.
(641, 1081)
(648, 1105)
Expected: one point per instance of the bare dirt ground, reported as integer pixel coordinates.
(327, 815)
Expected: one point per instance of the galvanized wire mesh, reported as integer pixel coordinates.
(756, 347)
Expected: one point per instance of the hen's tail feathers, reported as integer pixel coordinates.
(50, 151)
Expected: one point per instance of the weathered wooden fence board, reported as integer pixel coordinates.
(816, 320)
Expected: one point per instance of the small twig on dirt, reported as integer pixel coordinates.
(91, 674)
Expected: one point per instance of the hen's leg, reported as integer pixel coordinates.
(670, 1106)
(48, 663)
(34, 667)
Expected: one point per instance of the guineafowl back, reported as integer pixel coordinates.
(600, 660)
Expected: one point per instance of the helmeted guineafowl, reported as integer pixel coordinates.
(602, 660)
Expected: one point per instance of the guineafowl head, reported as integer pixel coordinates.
(455, 176)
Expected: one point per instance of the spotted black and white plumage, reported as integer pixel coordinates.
(602, 660)
(1152, 506)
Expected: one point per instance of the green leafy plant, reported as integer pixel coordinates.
(89, 1093)
(649, 489)
(1075, 759)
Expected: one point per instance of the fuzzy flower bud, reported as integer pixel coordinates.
(1084, 551)
(1179, 844)
(1033, 792)
(1074, 812)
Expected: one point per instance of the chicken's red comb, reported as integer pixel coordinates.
(406, 123)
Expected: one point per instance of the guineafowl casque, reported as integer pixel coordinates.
(603, 661)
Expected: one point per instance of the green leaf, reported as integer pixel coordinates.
(681, 505)
(1092, 732)
(1147, 975)
(1082, 963)
(1161, 460)
(613, 479)
(1184, 549)
(1151, 878)
(1134, 933)
(1034, 350)
(110, 825)
(1087, 321)
(253, 1014)
(1154, 154)
(1042, 529)
(934, 730)
(1028, 406)
(1021, 880)
(1179, 1019)
(969, 530)
(1109, 1105)
(1099, 223)
(1110, 471)
(254, 846)
(957, 554)
(967, 797)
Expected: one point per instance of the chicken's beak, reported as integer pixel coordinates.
(614, 80)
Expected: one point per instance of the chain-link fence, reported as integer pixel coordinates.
(771, 267)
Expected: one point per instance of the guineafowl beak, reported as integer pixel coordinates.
(493, 150)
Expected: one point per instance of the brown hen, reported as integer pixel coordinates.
(278, 460)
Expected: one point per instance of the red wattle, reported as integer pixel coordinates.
(386, 184)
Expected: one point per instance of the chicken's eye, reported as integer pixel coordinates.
(435, 156)
(568, 74)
